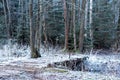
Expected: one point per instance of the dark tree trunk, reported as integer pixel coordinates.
(34, 51)
(66, 21)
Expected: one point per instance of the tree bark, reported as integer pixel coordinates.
(66, 24)
(38, 29)
(90, 23)
(81, 35)
(34, 50)
(86, 17)
(9, 20)
(5, 14)
(44, 28)
(74, 24)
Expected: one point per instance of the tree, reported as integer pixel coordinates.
(117, 43)
(103, 23)
(82, 16)
(116, 9)
(66, 21)
(5, 13)
(90, 23)
(34, 50)
(9, 19)
(74, 24)
(44, 27)
(38, 27)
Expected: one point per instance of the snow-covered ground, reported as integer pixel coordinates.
(105, 64)
(16, 64)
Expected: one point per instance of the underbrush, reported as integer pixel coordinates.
(16, 50)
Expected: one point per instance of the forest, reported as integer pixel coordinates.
(59, 39)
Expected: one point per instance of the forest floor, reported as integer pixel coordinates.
(21, 68)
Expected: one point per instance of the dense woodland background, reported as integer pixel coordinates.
(75, 25)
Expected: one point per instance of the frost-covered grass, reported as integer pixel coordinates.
(74, 75)
(105, 64)
(14, 50)
(19, 56)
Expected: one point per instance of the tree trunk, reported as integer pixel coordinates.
(9, 20)
(81, 35)
(90, 23)
(86, 18)
(23, 20)
(74, 26)
(44, 28)
(66, 24)
(117, 46)
(38, 27)
(5, 14)
(34, 50)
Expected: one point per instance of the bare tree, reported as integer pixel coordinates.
(86, 17)
(74, 24)
(66, 24)
(9, 19)
(38, 27)
(5, 14)
(34, 51)
(44, 28)
(90, 23)
(82, 16)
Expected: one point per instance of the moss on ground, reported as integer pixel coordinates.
(55, 70)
